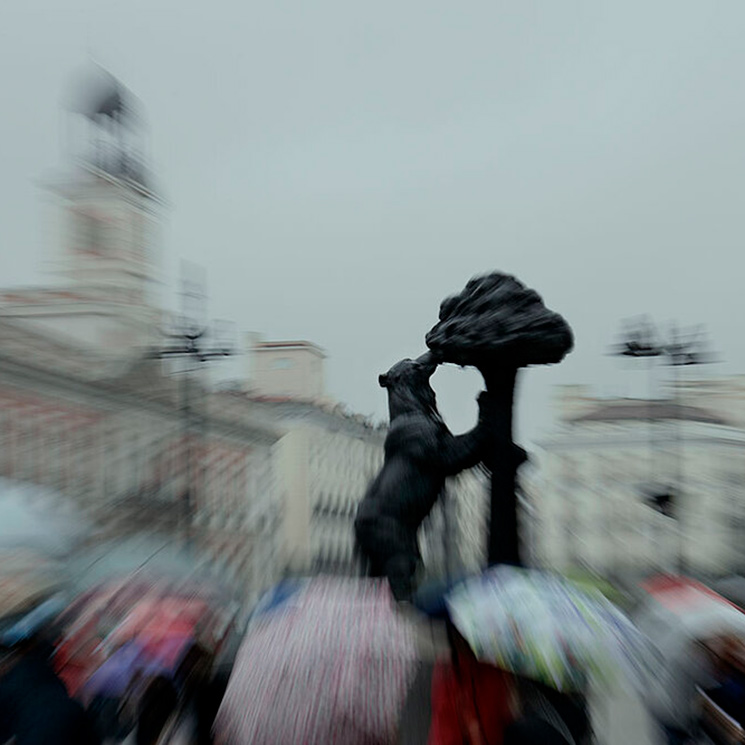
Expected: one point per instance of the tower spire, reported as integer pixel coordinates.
(113, 142)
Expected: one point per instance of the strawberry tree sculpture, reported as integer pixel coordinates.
(498, 326)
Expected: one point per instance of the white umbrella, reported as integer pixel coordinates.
(678, 610)
(732, 588)
(145, 555)
(541, 626)
(38, 527)
(39, 518)
(677, 613)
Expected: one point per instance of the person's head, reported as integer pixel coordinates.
(194, 665)
(719, 653)
(733, 653)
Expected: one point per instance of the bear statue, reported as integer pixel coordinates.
(420, 453)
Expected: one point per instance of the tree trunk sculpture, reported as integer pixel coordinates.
(498, 325)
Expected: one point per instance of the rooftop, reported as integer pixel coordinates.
(332, 413)
(287, 345)
(634, 409)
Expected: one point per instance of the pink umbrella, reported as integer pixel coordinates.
(162, 617)
(104, 619)
(335, 668)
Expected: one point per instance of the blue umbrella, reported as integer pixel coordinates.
(431, 598)
(33, 622)
(276, 598)
(115, 675)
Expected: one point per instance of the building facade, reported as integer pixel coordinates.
(114, 442)
(627, 487)
(261, 482)
(286, 369)
(87, 410)
(327, 458)
(454, 537)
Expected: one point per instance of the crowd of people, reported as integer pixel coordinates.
(37, 709)
(720, 686)
(35, 706)
(119, 666)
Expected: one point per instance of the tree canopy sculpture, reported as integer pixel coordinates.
(498, 325)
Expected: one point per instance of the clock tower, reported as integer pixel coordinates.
(105, 263)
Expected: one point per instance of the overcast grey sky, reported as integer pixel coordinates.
(339, 167)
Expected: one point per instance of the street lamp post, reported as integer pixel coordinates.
(187, 344)
(643, 341)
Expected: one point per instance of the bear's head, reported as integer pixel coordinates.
(409, 391)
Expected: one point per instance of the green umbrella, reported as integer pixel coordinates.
(593, 582)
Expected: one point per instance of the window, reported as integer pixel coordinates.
(90, 236)
(282, 364)
(138, 236)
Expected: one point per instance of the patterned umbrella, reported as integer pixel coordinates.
(335, 667)
(541, 626)
(103, 620)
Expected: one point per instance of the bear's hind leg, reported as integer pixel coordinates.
(391, 551)
(401, 572)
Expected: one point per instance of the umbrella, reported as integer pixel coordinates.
(279, 598)
(35, 517)
(591, 581)
(31, 623)
(80, 650)
(677, 609)
(333, 668)
(115, 674)
(114, 677)
(150, 556)
(27, 578)
(160, 619)
(160, 616)
(733, 589)
(676, 613)
(540, 626)
(147, 566)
